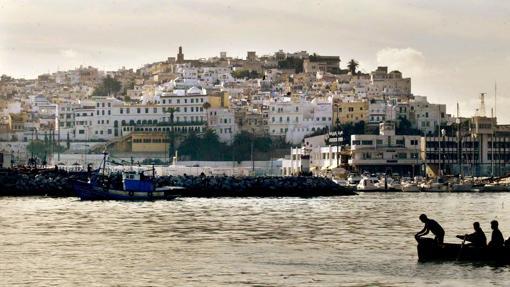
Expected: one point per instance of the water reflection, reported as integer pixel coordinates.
(351, 241)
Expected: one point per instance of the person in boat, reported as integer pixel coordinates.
(431, 226)
(497, 239)
(476, 238)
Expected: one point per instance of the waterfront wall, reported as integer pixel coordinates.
(60, 184)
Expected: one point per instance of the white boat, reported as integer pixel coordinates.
(368, 184)
(410, 187)
(392, 185)
(434, 187)
(354, 179)
(340, 182)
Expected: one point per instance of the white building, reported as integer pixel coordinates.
(386, 151)
(426, 116)
(222, 121)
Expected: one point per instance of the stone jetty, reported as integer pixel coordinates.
(57, 183)
(227, 186)
(31, 182)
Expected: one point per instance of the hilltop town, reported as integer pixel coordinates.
(302, 112)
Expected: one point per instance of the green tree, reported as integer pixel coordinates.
(404, 127)
(108, 87)
(291, 63)
(352, 66)
(246, 74)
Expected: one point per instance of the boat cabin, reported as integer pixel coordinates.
(136, 181)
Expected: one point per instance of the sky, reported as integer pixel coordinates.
(453, 50)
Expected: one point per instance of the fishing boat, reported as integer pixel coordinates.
(429, 250)
(133, 186)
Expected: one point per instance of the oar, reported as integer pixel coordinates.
(461, 246)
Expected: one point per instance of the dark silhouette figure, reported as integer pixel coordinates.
(476, 238)
(497, 239)
(431, 226)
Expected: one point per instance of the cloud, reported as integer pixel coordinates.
(69, 53)
(406, 60)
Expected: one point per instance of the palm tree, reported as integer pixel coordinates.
(206, 107)
(352, 65)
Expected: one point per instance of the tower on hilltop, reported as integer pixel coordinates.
(180, 56)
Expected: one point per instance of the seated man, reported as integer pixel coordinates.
(496, 238)
(476, 238)
(432, 226)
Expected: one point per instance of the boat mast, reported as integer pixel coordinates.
(492, 142)
(459, 147)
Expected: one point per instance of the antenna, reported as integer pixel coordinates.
(495, 93)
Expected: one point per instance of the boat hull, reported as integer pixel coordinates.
(86, 191)
(429, 250)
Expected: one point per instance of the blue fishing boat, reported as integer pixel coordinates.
(134, 186)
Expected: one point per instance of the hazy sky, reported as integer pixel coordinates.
(453, 50)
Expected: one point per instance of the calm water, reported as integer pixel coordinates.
(350, 241)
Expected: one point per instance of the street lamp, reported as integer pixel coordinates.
(443, 134)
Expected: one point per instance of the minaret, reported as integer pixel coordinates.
(180, 56)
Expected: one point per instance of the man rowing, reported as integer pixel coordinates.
(431, 226)
(476, 238)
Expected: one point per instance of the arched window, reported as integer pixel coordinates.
(138, 122)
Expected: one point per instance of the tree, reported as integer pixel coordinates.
(68, 141)
(291, 63)
(109, 87)
(404, 127)
(352, 66)
(246, 74)
(206, 107)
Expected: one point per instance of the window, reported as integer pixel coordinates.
(138, 110)
(121, 111)
(146, 110)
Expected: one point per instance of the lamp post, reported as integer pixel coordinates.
(443, 134)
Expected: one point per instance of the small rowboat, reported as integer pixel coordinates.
(429, 250)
